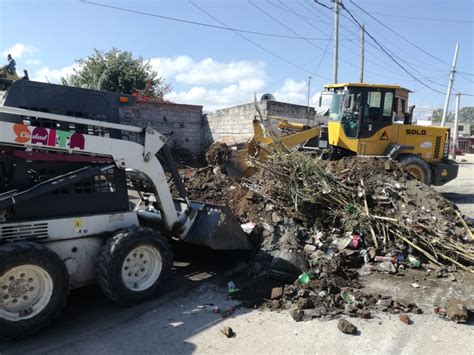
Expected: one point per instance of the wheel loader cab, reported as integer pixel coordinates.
(362, 113)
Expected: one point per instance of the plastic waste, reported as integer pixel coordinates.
(365, 254)
(248, 227)
(306, 277)
(355, 241)
(386, 266)
(392, 259)
(414, 262)
(232, 287)
(400, 258)
(366, 269)
(348, 297)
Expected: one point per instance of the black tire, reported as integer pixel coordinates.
(17, 285)
(113, 261)
(419, 168)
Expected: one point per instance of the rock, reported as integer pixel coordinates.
(277, 292)
(228, 332)
(308, 248)
(289, 262)
(305, 303)
(269, 207)
(297, 315)
(318, 254)
(456, 310)
(276, 304)
(347, 327)
(405, 319)
(276, 218)
(364, 313)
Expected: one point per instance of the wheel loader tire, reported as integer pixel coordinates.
(417, 167)
(133, 264)
(34, 285)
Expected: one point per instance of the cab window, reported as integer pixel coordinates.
(374, 99)
(372, 109)
(388, 104)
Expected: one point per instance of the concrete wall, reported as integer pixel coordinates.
(234, 124)
(183, 124)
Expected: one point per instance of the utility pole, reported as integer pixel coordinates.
(309, 90)
(456, 118)
(362, 33)
(450, 85)
(336, 39)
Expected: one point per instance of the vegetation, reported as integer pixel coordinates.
(117, 71)
(466, 114)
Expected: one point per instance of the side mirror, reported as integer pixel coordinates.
(320, 100)
(347, 101)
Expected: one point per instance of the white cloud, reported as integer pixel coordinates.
(183, 69)
(46, 74)
(213, 99)
(19, 50)
(292, 91)
(33, 61)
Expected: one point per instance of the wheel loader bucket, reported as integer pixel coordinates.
(237, 166)
(216, 227)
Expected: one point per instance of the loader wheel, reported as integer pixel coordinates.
(34, 284)
(417, 167)
(133, 264)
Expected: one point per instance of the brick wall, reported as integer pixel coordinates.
(234, 124)
(183, 124)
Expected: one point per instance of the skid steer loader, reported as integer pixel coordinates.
(366, 120)
(65, 216)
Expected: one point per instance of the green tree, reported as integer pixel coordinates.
(117, 71)
(466, 114)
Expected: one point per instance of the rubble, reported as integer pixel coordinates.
(324, 224)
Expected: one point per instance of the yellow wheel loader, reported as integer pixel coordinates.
(371, 120)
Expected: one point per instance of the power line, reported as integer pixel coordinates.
(391, 54)
(424, 65)
(422, 18)
(296, 33)
(286, 8)
(399, 35)
(388, 54)
(248, 39)
(203, 24)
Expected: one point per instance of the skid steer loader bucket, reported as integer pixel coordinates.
(216, 227)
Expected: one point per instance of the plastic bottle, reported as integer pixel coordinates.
(392, 259)
(414, 262)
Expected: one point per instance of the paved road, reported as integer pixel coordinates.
(461, 189)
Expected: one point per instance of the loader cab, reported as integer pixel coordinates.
(361, 111)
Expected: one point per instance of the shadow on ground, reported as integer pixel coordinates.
(90, 323)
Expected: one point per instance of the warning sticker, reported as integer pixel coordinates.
(384, 136)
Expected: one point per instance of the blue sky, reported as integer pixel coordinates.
(218, 68)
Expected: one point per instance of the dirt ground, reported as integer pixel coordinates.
(182, 320)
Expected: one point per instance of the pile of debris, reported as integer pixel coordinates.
(325, 223)
(366, 209)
